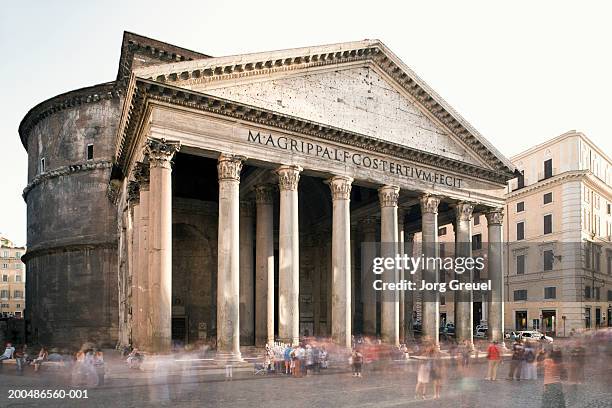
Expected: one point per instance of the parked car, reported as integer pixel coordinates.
(481, 332)
(448, 328)
(535, 335)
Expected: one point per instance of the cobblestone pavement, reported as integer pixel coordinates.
(384, 388)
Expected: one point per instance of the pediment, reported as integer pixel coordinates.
(361, 87)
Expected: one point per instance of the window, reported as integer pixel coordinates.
(18, 305)
(89, 152)
(548, 260)
(4, 266)
(476, 242)
(521, 180)
(609, 263)
(17, 278)
(5, 254)
(548, 224)
(477, 219)
(42, 165)
(17, 254)
(609, 211)
(548, 170)
(520, 207)
(4, 294)
(587, 292)
(442, 249)
(547, 198)
(520, 294)
(596, 293)
(520, 230)
(18, 294)
(4, 306)
(442, 231)
(4, 278)
(550, 293)
(18, 266)
(520, 264)
(609, 295)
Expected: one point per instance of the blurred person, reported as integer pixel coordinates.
(20, 356)
(516, 361)
(9, 350)
(423, 376)
(134, 359)
(553, 372)
(98, 363)
(494, 357)
(43, 355)
(529, 366)
(357, 362)
(436, 374)
(465, 351)
(316, 359)
(323, 358)
(287, 357)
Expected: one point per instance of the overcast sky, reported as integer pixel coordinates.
(519, 74)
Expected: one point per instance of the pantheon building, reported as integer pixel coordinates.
(197, 198)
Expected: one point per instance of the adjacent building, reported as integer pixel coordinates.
(12, 279)
(559, 226)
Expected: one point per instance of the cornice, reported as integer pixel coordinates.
(90, 94)
(569, 175)
(65, 170)
(142, 92)
(232, 68)
(40, 251)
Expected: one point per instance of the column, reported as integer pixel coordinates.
(464, 317)
(368, 293)
(247, 312)
(160, 154)
(409, 295)
(289, 255)
(341, 260)
(140, 317)
(431, 306)
(264, 265)
(495, 313)
(388, 196)
(228, 272)
(400, 272)
(134, 211)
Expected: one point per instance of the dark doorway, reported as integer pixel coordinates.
(549, 322)
(597, 318)
(477, 313)
(520, 320)
(179, 330)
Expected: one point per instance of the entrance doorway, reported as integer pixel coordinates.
(520, 319)
(597, 318)
(549, 322)
(179, 330)
(477, 313)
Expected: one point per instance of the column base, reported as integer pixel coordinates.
(225, 358)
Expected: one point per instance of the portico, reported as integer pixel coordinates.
(254, 149)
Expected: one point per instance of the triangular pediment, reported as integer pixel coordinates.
(361, 87)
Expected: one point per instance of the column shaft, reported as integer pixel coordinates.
(289, 255)
(160, 243)
(264, 266)
(228, 273)
(464, 318)
(341, 261)
(368, 293)
(140, 316)
(431, 305)
(495, 270)
(401, 295)
(247, 312)
(388, 196)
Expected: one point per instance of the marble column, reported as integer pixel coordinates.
(140, 317)
(495, 313)
(368, 293)
(228, 273)
(464, 312)
(431, 306)
(289, 255)
(388, 196)
(247, 291)
(400, 272)
(134, 231)
(160, 154)
(264, 265)
(409, 295)
(341, 261)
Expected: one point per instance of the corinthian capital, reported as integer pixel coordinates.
(229, 167)
(288, 177)
(141, 175)
(388, 196)
(429, 204)
(133, 192)
(161, 151)
(264, 193)
(495, 216)
(340, 187)
(464, 211)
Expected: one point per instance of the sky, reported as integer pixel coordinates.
(520, 72)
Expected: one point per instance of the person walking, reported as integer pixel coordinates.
(287, 357)
(494, 357)
(529, 370)
(515, 363)
(357, 360)
(553, 372)
(423, 376)
(98, 362)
